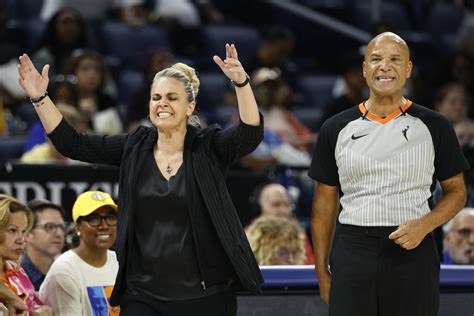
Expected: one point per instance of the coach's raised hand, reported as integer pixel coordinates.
(34, 83)
(35, 86)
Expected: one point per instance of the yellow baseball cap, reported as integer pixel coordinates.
(89, 201)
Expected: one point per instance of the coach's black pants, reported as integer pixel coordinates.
(221, 304)
(373, 276)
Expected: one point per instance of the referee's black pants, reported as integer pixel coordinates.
(373, 276)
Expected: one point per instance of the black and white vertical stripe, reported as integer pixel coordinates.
(387, 192)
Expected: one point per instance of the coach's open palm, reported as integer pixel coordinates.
(34, 83)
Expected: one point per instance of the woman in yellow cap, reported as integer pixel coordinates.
(80, 280)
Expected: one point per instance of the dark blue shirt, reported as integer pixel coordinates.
(33, 273)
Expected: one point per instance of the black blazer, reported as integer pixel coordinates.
(208, 153)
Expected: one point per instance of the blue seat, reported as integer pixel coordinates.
(211, 91)
(129, 81)
(24, 9)
(316, 90)
(391, 13)
(33, 30)
(129, 45)
(246, 40)
(11, 147)
(311, 118)
(443, 19)
(323, 4)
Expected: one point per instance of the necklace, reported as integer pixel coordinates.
(169, 169)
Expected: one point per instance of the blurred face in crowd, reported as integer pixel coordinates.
(169, 105)
(158, 62)
(68, 27)
(284, 255)
(13, 238)
(387, 65)
(465, 132)
(98, 230)
(459, 242)
(275, 53)
(89, 75)
(355, 80)
(454, 105)
(48, 235)
(275, 201)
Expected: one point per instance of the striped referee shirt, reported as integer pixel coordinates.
(386, 168)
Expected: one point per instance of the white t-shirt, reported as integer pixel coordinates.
(73, 287)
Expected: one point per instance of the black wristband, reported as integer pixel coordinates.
(40, 98)
(243, 84)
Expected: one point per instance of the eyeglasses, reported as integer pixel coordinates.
(52, 228)
(465, 232)
(95, 220)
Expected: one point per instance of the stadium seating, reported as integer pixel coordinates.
(245, 38)
(129, 45)
(316, 90)
(11, 147)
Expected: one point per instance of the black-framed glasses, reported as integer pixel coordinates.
(95, 219)
(51, 227)
(465, 232)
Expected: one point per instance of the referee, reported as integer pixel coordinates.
(379, 161)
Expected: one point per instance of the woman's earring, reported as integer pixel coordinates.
(78, 233)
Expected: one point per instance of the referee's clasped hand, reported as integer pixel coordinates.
(409, 234)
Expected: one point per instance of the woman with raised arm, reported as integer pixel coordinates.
(180, 245)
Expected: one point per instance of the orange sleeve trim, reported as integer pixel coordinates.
(7, 283)
(389, 117)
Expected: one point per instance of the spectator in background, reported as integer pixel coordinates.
(126, 10)
(80, 281)
(64, 33)
(453, 101)
(355, 87)
(98, 106)
(46, 153)
(274, 51)
(15, 221)
(8, 48)
(456, 67)
(93, 10)
(469, 174)
(275, 97)
(63, 91)
(273, 199)
(183, 20)
(459, 238)
(277, 241)
(11, 123)
(45, 241)
(137, 109)
(465, 132)
(286, 140)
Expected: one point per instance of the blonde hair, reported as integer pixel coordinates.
(8, 206)
(267, 234)
(184, 74)
(188, 77)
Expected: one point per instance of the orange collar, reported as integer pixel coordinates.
(384, 120)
